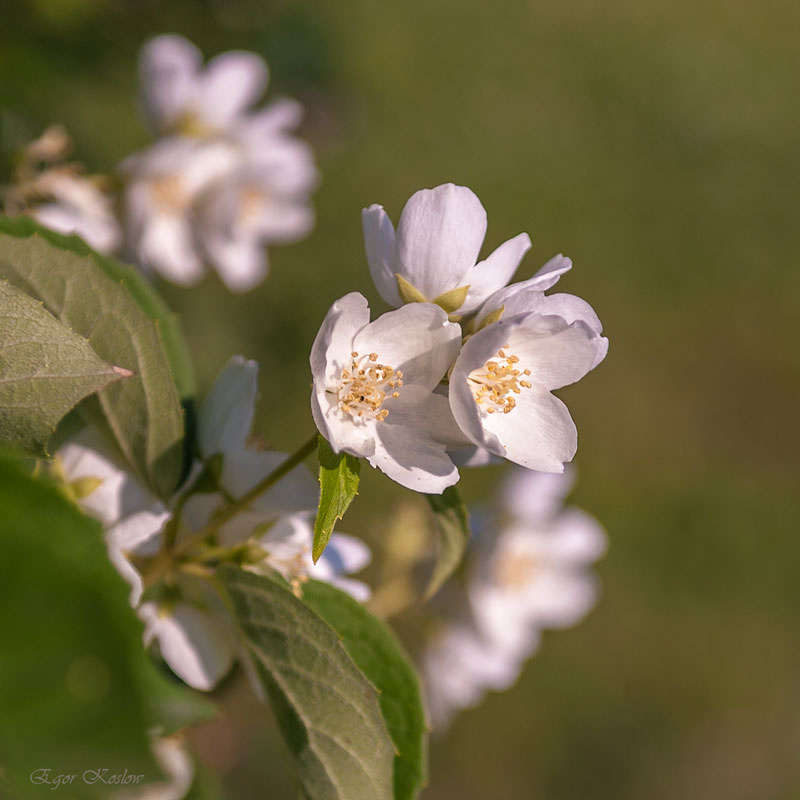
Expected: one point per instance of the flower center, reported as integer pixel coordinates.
(497, 381)
(365, 384)
(515, 570)
(168, 192)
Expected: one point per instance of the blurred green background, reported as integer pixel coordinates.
(656, 144)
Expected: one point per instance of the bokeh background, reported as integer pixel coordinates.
(656, 144)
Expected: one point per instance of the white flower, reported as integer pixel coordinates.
(223, 426)
(193, 640)
(288, 546)
(197, 643)
(500, 387)
(435, 250)
(192, 630)
(459, 666)
(528, 296)
(76, 205)
(173, 757)
(534, 575)
(228, 180)
(181, 96)
(528, 575)
(256, 204)
(373, 382)
(163, 186)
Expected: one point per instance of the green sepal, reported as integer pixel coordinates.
(408, 292)
(453, 300)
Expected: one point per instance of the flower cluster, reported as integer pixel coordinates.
(274, 531)
(221, 180)
(526, 574)
(57, 194)
(464, 369)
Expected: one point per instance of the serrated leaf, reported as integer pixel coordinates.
(145, 295)
(380, 656)
(451, 522)
(338, 481)
(143, 414)
(327, 710)
(72, 672)
(45, 370)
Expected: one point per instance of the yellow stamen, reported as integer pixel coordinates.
(494, 384)
(363, 387)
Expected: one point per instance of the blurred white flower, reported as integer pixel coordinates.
(459, 667)
(528, 575)
(56, 194)
(180, 96)
(433, 255)
(534, 575)
(373, 389)
(175, 761)
(189, 624)
(192, 640)
(75, 204)
(500, 387)
(226, 181)
(223, 427)
(196, 642)
(288, 550)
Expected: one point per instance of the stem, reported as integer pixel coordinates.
(235, 507)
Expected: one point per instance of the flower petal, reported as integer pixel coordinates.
(439, 237)
(556, 353)
(379, 244)
(240, 261)
(549, 274)
(296, 491)
(278, 117)
(342, 432)
(576, 538)
(226, 414)
(333, 344)
(538, 434)
(196, 645)
(410, 458)
(495, 271)
(535, 498)
(427, 412)
(168, 69)
(167, 245)
(416, 338)
(232, 82)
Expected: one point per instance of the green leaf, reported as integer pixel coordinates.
(73, 669)
(143, 414)
(327, 710)
(338, 481)
(145, 295)
(45, 370)
(378, 654)
(451, 522)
